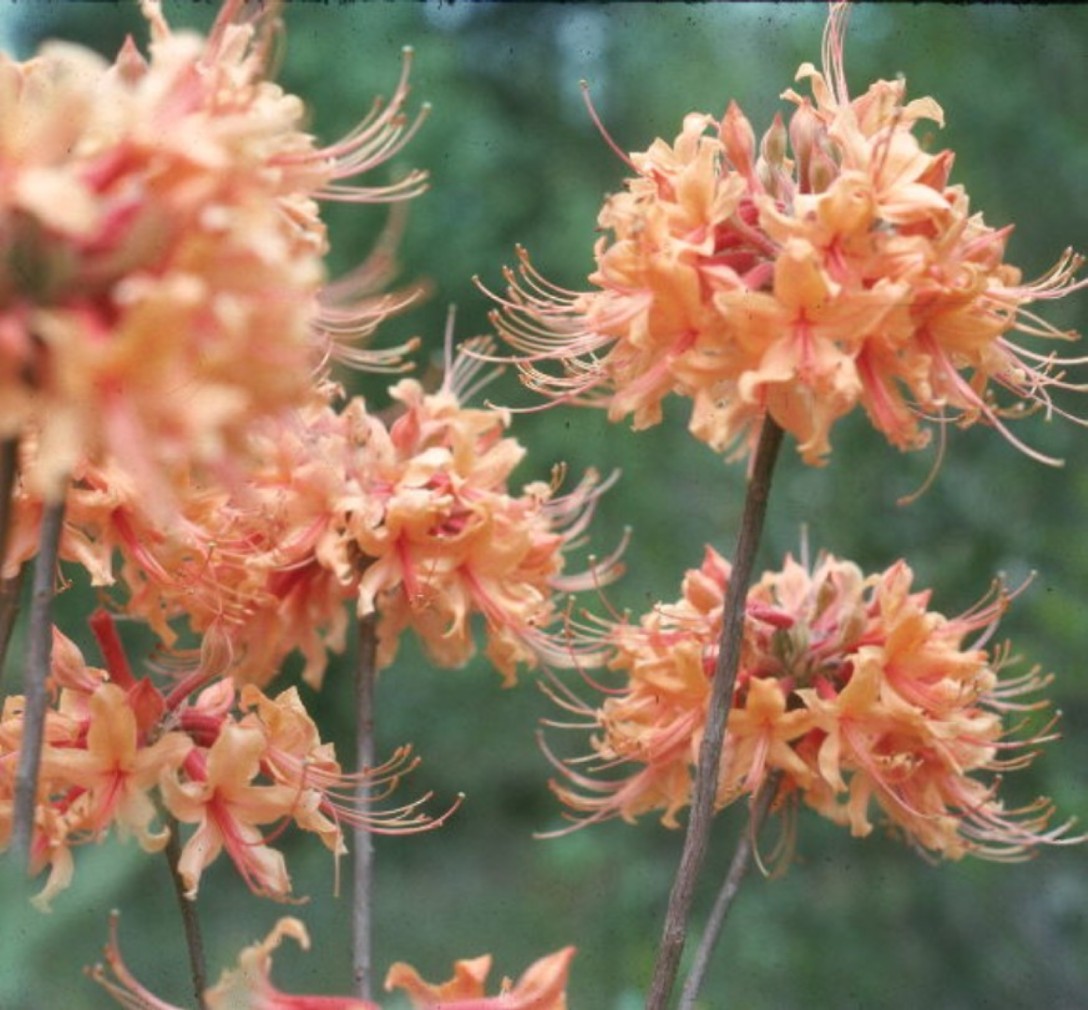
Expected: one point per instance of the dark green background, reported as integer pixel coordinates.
(514, 158)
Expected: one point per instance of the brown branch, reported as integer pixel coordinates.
(39, 654)
(10, 589)
(738, 867)
(362, 887)
(10, 592)
(721, 698)
(9, 468)
(194, 940)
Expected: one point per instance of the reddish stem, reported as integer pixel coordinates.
(113, 652)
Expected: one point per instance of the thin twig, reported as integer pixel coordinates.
(362, 887)
(738, 867)
(194, 940)
(9, 467)
(10, 592)
(10, 589)
(39, 653)
(721, 698)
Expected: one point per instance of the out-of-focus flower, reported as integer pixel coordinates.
(163, 250)
(249, 986)
(830, 266)
(850, 690)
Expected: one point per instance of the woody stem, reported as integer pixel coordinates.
(9, 587)
(693, 853)
(39, 654)
(738, 867)
(10, 591)
(362, 889)
(190, 922)
(9, 467)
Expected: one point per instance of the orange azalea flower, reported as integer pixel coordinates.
(414, 519)
(96, 769)
(542, 987)
(249, 986)
(850, 690)
(225, 764)
(113, 772)
(220, 797)
(164, 214)
(831, 266)
(430, 533)
(295, 756)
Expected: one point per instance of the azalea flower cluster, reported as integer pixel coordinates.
(435, 535)
(165, 332)
(118, 748)
(830, 265)
(410, 516)
(542, 986)
(164, 278)
(850, 693)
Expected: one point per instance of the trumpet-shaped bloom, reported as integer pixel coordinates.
(221, 797)
(830, 266)
(851, 694)
(111, 774)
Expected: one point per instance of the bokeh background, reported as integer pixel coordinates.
(514, 158)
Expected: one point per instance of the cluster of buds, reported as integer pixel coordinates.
(850, 692)
(828, 266)
(118, 748)
(543, 985)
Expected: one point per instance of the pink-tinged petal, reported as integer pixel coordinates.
(542, 986)
(698, 273)
(852, 693)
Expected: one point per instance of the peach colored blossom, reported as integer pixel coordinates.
(113, 772)
(430, 532)
(162, 212)
(220, 796)
(829, 266)
(117, 749)
(249, 985)
(412, 515)
(851, 693)
(294, 755)
(542, 987)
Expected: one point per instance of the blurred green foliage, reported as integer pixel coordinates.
(514, 158)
